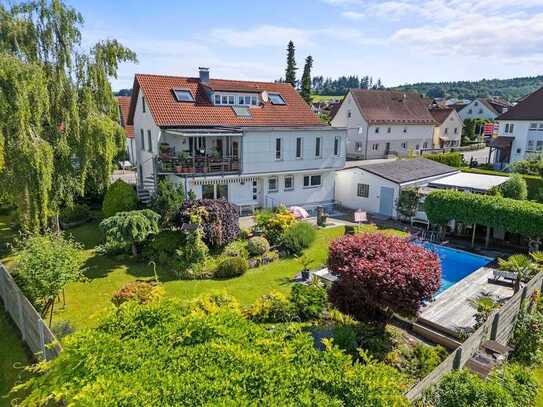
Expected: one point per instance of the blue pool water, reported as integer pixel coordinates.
(456, 264)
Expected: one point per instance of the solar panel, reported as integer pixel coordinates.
(241, 111)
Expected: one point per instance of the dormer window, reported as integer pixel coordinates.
(235, 100)
(183, 95)
(277, 99)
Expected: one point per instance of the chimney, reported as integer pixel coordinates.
(204, 74)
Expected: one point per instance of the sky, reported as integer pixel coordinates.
(399, 41)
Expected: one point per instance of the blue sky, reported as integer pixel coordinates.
(400, 41)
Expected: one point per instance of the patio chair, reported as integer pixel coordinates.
(504, 275)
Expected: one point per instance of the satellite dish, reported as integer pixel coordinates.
(265, 97)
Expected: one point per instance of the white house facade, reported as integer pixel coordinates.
(522, 127)
(255, 144)
(383, 123)
(483, 108)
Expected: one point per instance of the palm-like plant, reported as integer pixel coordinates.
(520, 264)
(537, 258)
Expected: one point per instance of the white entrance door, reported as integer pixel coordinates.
(386, 201)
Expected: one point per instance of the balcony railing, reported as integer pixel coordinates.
(198, 165)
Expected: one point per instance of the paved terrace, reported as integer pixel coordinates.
(451, 310)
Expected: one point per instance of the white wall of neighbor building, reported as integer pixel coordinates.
(476, 110)
(258, 156)
(523, 132)
(370, 142)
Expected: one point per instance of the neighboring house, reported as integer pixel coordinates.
(256, 144)
(376, 188)
(483, 108)
(521, 129)
(381, 123)
(448, 129)
(124, 106)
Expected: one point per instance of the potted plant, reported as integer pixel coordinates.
(305, 261)
(184, 157)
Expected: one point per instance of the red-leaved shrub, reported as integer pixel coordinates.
(379, 274)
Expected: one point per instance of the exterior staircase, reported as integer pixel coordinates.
(146, 189)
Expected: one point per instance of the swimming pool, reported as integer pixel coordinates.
(456, 264)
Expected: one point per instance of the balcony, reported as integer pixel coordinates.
(198, 165)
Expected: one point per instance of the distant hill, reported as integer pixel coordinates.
(508, 89)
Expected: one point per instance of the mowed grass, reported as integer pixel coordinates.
(13, 357)
(539, 376)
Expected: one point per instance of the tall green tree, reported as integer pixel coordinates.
(290, 72)
(58, 115)
(306, 79)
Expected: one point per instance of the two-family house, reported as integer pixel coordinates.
(256, 144)
(381, 123)
(483, 108)
(448, 129)
(521, 129)
(124, 106)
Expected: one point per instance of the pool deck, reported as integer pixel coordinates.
(452, 311)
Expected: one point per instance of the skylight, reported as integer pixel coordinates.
(183, 95)
(277, 99)
(241, 111)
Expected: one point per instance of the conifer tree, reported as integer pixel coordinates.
(290, 72)
(306, 80)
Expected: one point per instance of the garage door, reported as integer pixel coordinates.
(386, 201)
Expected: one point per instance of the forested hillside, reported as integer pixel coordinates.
(509, 89)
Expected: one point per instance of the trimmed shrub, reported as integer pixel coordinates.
(451, 159)
(168, 200)
(380, 273)
(515, 188)
(237, 248)
(273, 224)
(120, 197)
(273, 307)
(523, 217)
(309, 301)
(257, 246)
(220, 220)
(231, 267)
(143, 292)
(75, 213)
(298, 237)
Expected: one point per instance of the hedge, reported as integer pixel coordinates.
(451, 159)
(523, 217)
(535, 183)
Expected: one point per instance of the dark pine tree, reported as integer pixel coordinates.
(305, 91)
(290, 72)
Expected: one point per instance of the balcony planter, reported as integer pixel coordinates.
(178, 169)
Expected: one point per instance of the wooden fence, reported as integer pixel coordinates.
(499, 327)
(34, 332)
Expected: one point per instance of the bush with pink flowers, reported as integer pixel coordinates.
(380, 274)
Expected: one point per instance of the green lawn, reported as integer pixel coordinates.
(539, 375)
(13, 356)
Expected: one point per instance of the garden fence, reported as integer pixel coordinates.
(34, 332)
(499, 327)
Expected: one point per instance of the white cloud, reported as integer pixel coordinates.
(353, 15)
(261, 36)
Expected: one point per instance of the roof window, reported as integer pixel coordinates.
(183, 95)
(277, 99)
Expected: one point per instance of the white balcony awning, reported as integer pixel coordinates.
(222, 180)
(202, 133)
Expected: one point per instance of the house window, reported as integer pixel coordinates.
(404, 145)
(446, 130)
(224, 100)
(509, 127)
(405, 129)
(254, 100)
(470, 111)
(142, 139)
(476, 103)
(540, 126)
(222, 191)
(289, 182)
(217, 99)
(425, 145)
(358, 147)
(231, 100)
(539, 146)
(377, 130)
(272, 184)
(375, 147)
(533, 126)
(276, 99)
(208, 191)
(299, 147)
(150, 141)
(143, 104)
(336, 146)
(480, 111)
(417, 147)
(389, 130)
(318, 147)
(183, 95)
(456, 130)
(349, 114)
(363, 190)
(530, 145)
(312, 181)
(278, 152)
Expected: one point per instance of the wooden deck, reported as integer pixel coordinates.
(451, 311)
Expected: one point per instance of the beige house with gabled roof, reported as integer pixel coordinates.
(448, 129)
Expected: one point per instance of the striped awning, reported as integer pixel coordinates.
(222, 180)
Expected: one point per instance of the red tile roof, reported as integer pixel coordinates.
(392, 107)
(167, 112)
(440, 114)
(529, 108)
(124, 105)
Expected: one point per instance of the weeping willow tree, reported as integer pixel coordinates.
(58, 117)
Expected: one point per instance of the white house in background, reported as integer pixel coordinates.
(381, 123)
(483, 108)
(521, 129)
(124, 106)
(448, 129)
(376, 187)
(256, 144)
